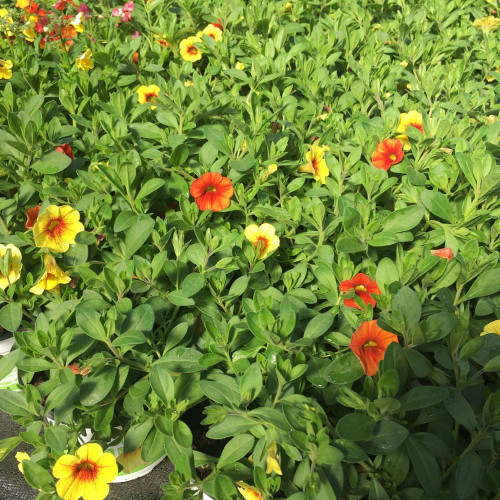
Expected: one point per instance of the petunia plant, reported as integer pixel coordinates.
(257, 239)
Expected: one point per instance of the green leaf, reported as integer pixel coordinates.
(235, 449)
(137, 235)
(230, 426)
(37, 477)
(162, 382)
(182, 434)
(96, 387)
(355, 427)
(177, 298)
(58, 396)
(425, 466)
(468, 475)
(388, 436)
(192, 284)
(407, 304)
(183, 360)
(383, 239)
(90, 322)
(154, 446)
(350, 245)
(403, 219)
(85, 238)
(344, 369)
(51, 163)
(319, 325)
(35, 365)
(486, 283)
(493, 365)
(141, 318)
(216, 136)
(7, 445)
(149, 187)
(460, 409)
(13, 403)
(251, 383)
(56, 437)
(136, 435)
(179, 155)
(11, 316)
(438, 204)
(423, 397)
(131, 338)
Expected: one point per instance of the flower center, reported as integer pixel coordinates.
(192, 50)
(86, 471)
(150, 96)
(360, 288)
(369, 343)
(261, 243)
(392, 157)
(53, 224)
(210, 188)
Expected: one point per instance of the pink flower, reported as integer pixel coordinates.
(136, 34)
(85, 9)
(124, 12)
(443, 253)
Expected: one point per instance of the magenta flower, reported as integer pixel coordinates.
(124, 12)
(136, 34)
(85, 9)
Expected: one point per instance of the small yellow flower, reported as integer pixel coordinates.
(85, 474)
(189, 83)
(487, 24)
(491, 78)
(148, 94)
(269, 170)
(188, 50)
(316, 164)
(322, 117)
(239, 65)
(5, 21)
(249, 492)
(404, 63)
(20, 456)
(57, 227)
(77, 22)
(263, 238)
(13, 263)
(288, 6)
(211, 31)
(409, 87)
(52, 277)
(272, 462)
(5, 69)
(376, 27)
(491, 119)
(22, 4)
(493, 327)
(411, 119)
(448, 151)
(85, 62)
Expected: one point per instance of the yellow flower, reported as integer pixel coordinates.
(28, 30)
(85, 474)
(288, 6)
(57, 227)
(249, 492)
(211, 31)
(239, 65)
(404, 63)
(491, 78)
(188, 50)
(316, 163)
(20, 456)
(188, 83)
(487, 24)
(263, 239)
(5, 21)
(411, 119)
(5, 69)
(322, 117)
(493, 327)
(269, 170)
(148, 94)
(84, 62)
(376, 27)
(52, 277)
(22, 4)
(272, 462)
(11, 261)
(409, 87)
(77, 22)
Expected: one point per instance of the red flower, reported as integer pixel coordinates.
(363, 287)
(65, 149)
(387, 153)
(444, 253)
(369, 343)
(32, 215)
(212, 192)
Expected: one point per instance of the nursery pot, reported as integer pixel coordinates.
(6, 343)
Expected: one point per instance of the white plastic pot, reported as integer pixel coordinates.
(10, 381)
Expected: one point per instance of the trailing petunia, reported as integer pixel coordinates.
(188, 49)
(316, 163)
(212, 192)
(411, 119)
(363, 288)
(57, 227)
(211, 31)
(65, 149)
(52, 277)
(369, 343)
(444, 253)
(263, 238)
(85, 474)
(387, 153)
(10, 265)
(148, 94)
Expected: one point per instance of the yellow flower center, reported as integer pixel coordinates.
(392, 156)
(360, 288)
(369, 343)
(210, 188)
(53, 224)
(192, 50)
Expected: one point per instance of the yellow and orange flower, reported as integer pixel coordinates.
(272, 462)
(20, 456)
(84, 62)
(316, 163)
(487, 24)
(57, 227)
(5, 69)
(249, 492)
(212, 191)
(148, 94)
(411, 119)
(77, 22)
(52, 277)
(10, 257)
(493, 327)
(85, 474)
(188, 50)
(263, 238)
(211, 31)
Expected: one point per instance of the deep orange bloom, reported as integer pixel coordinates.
(32, 214)
(369, 343)
(212, 191)
(135, 57)
(387, 153)
(444, 253)
(65, 149)
(363, 287)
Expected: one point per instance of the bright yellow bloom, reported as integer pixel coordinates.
(5, 69)
(148, 94)
(28, 30)
(316, 163)
(491, 78)
(15, 265)
(263, 238)
(487, 24)
(189, 83)
(57, 227)
(239, 65)
(411, 119)
(20, 456)
(85, 62)
(272, 462)
(269, 170)
(211, 31)
(22, 4)
(77, 22)
(249, 492)
(188, 50)
(85, 474)
(288, 6)
(493, 327)
(404, 63)
(52, 277)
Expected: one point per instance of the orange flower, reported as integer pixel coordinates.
(32, 214)
(444, 253)
(65, 149)
(212, 191)
(369, 343)
(75, 368)
(135, 57)
(387, 153)
(363, 287)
